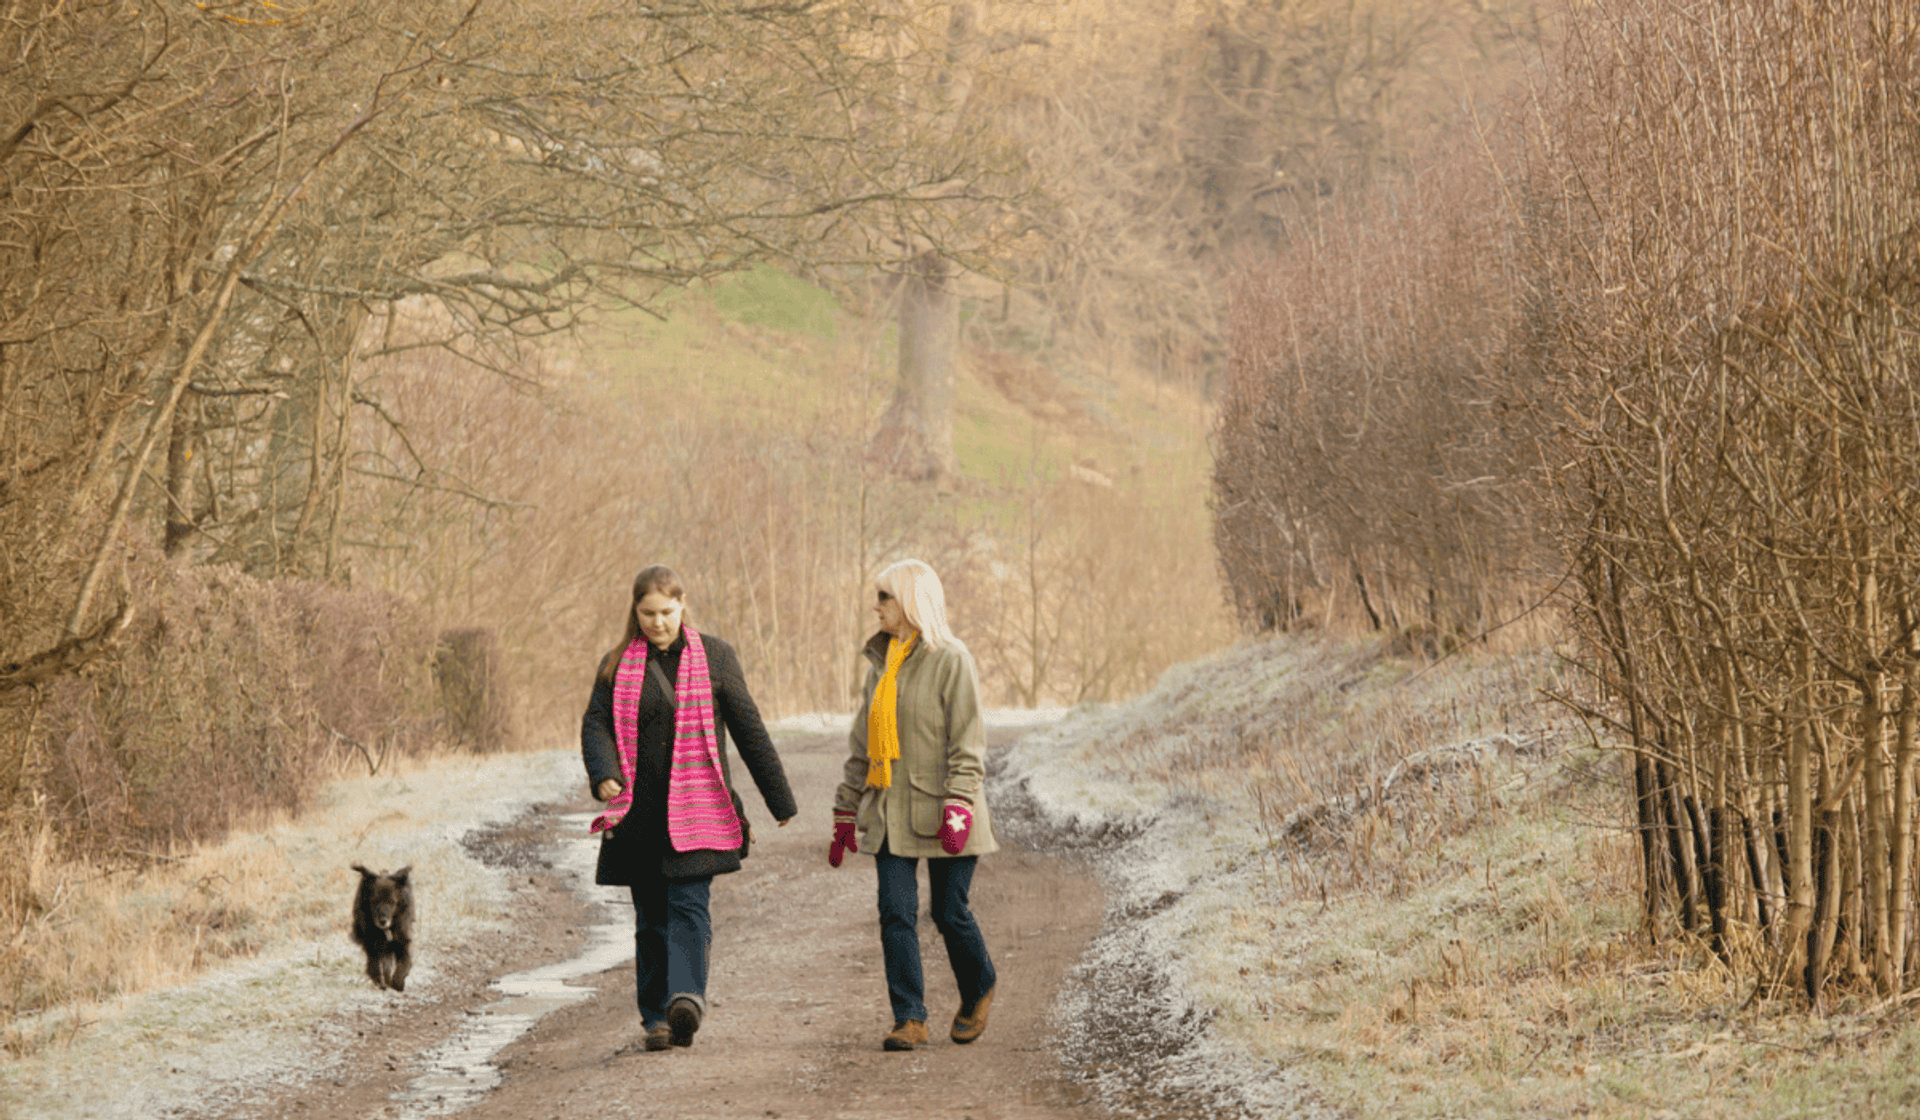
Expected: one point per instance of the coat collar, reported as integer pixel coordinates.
(876, 648)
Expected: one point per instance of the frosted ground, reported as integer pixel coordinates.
(275, 1016)
(1136, 1025)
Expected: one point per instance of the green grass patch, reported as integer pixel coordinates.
(764, 296)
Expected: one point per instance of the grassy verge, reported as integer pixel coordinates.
(1408, 886)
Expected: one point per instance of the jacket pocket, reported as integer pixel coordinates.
(923, 809)
(870, 819)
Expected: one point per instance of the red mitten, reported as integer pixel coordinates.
(956, 821)
(844, 839)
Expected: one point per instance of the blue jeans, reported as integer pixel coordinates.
(672, 932)
(948, 880)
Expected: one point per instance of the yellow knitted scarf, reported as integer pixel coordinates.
(883, 724)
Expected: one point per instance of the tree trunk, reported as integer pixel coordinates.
(1826, 907)
(915, 438)
(327, 450)
(1901, 855)
(1646, 790)
(1679, 848)
(181, 445)
(1875, 912)
(1757, 871)
(1778, 836)
(1700, 853)
(1799, 865)
(1721, 867)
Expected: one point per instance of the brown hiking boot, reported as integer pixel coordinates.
(683, 1019)
(972, 1020)
(909, 1035)
(659, 1038)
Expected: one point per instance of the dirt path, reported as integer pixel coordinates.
(796, 992)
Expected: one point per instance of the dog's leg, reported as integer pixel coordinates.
(402, 964)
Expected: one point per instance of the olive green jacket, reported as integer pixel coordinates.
(943, 753)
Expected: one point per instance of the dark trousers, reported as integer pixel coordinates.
(672, 932)
(948, 881)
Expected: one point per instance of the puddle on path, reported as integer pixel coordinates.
(460, 1071)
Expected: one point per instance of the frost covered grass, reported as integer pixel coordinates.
(216, 965)
(1344, 882)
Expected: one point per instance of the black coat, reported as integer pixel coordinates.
(637, 849)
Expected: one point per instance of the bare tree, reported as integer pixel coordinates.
(269, 189)
(1177, 148)
(915, 437)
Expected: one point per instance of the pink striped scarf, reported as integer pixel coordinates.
(699, 810)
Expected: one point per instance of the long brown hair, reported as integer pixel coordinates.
(653, 577)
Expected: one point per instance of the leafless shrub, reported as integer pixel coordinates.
(1173, 141)
(579, 497)
(1374, 446)
(1090, 591)
(473, 693)
(228, 698)
(225, 701)
(1732, 249)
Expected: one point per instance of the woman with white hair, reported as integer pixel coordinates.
(912, 790)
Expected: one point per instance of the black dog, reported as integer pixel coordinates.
(383, 925)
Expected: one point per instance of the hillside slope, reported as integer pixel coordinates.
(729, 440)
(766, 348)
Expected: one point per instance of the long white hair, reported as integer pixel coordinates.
(918, 590)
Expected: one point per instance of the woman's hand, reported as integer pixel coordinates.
(956, 822)
(608, 789)
(845, 838)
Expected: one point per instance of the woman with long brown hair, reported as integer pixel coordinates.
(654, 740)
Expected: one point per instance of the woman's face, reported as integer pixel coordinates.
(892, 616)
(659, 618)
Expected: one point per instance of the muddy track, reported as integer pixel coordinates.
(797, 995)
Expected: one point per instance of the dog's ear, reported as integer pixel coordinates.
(364, 873)
(400, 876)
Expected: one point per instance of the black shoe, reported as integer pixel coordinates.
(659, 1038)
(683, 1019)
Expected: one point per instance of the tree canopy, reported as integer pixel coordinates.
(206, 208)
